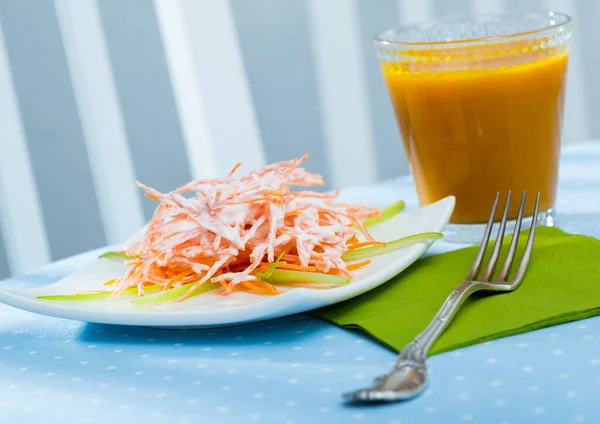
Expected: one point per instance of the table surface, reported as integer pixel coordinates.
(293, 370)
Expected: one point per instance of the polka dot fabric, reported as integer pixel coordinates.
(293, 370)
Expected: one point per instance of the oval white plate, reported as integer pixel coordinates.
(210, 310)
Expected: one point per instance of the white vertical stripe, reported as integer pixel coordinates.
(98, 106)
(576, 127)
(487, 6)
(342, 91)
(415, 11)
(218, 64)
(188, 96)
(20, 210)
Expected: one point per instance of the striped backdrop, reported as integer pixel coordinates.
(97, 93)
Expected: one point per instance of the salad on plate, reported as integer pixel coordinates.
(254, 233)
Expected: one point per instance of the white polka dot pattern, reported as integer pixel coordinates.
(292, 371)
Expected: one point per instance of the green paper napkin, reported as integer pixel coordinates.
(562, 284)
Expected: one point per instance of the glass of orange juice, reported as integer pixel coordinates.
(479, 103)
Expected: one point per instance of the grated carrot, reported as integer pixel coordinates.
(228, 229)
(261, 287)
(358, 265)
(109, 282)
(178, 278)
(285, 265)
(353, 240)
(364, 244)
(235, 168)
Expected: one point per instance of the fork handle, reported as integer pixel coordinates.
(416, 351)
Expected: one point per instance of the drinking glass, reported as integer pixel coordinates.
(479, 104)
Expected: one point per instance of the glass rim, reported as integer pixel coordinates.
(381, 39)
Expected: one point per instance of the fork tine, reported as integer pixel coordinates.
(484, 242)
(529, 246)
(498, 245)
(510, 256)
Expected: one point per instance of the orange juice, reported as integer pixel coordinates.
(474, 131)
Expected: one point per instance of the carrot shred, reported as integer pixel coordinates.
(358, 265)
(260, 287)
(353, 240)
(235, 168)
(110, 282)
(308, 284)
(178, 278)
(285, 265)
(365, 244)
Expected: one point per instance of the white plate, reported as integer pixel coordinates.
(210, 310)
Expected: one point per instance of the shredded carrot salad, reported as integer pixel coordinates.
(229, 231)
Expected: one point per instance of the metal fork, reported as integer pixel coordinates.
(409, 376)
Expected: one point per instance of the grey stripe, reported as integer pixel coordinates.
(588, 35)
(4, 269)
(523, 6)
(391, 160)
(451, 7)
(146, 95)
(51, 122)
(275, 43)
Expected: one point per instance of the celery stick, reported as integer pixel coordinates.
(170, 295)
(368, 252)
(117, 256)
(284, 275)
(99, 295)
(83, 296)
(386, 214)
(269, 272)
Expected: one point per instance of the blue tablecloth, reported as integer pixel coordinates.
(293, 370)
